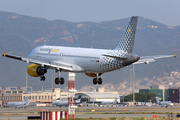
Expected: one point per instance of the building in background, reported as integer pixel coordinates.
(28, 89)
(158, 92)
(174, 95)
(1, 97)
(171, 94)
(11, 88)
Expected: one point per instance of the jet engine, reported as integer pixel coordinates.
(35, 70)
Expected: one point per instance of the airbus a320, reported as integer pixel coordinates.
(92, 62)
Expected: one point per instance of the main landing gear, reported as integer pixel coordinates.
(59, 80)
(97, 80)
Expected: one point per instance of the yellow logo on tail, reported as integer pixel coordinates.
(4, 54)
(175, 55)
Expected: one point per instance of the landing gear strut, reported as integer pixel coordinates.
(97, 80)
(59, 80)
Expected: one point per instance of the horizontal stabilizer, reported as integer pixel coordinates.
(148, 59)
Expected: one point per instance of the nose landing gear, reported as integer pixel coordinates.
(42, 78)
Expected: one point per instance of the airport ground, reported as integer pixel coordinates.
(94, 112)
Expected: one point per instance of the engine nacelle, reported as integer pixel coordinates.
(92, 74)
(35, 70)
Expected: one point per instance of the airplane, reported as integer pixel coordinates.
(65, 102)
(18, 104)
(164, 103)
(91, 62)
(109, 102)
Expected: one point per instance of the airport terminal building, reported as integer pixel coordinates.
(48, 96)
(97, 97)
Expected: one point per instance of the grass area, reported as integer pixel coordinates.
(29, 113)
(128, 113)
(125, 118)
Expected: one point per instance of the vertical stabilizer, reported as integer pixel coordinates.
(26, 99)
(115, 100)
(157, 100)
(127, 41)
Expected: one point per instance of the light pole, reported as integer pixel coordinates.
(26, 79)
(2, 98)
(130, 77)
(52, 88)
(133, 84)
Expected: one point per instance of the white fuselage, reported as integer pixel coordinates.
(63, 103)
(15, 104)
(107, 102)
(166, 103)
(60, 103)
(83, 59)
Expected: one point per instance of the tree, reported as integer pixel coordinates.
(140, 97)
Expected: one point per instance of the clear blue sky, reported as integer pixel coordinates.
(163, 11)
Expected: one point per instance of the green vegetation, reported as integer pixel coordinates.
(113, 118)
(140, 97)
(78, 119)
(131, 113)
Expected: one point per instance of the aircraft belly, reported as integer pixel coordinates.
(86, 64)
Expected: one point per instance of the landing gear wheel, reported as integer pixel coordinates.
(100, 81)
(61, 81)
(95, 81)
(57, 81)
(42, 78)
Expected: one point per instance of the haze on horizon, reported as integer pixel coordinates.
(163, 11)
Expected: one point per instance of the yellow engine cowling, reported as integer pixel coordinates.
(35, 70)
(91, 74)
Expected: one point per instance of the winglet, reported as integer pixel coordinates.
(175, 55)
(4, 54)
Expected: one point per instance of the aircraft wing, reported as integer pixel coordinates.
(147, 59)
(48, 64)
(52, 64)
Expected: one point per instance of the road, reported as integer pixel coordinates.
(82, 112)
